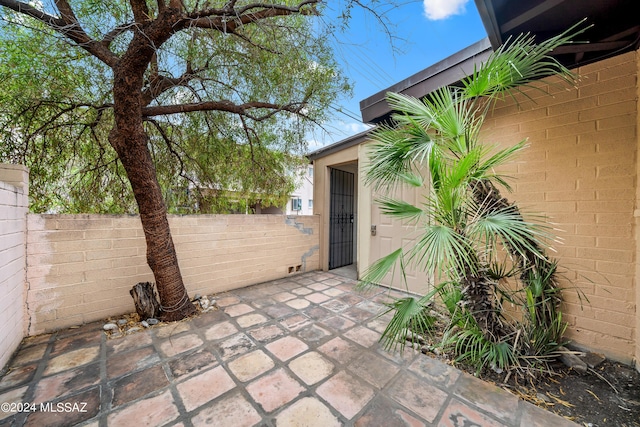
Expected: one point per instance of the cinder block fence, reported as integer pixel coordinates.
(58, 271)
(13, 228)
(80, 268)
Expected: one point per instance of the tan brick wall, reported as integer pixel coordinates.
(637, 217)
(580, 170)
(81, 267)
(13, 225)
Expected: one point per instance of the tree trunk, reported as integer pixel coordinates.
(479, 296)
(130, 141)
(533, 261)
(144, 298)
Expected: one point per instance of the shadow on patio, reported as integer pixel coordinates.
(300, 351)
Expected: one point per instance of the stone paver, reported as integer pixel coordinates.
(488, 397)
(374, 369)
(251, 320)
(137, 385)
(382, 412)
(274, 390)
(422, 398)
(298, 303)
(251, 365)
(346, 393)
(238, 310)
(287, 347)
(236, 409)
(308, 412)
(72, 359)
(156, 410)
(311, 367)
(300, 351)
(173, 346)
(205, 387)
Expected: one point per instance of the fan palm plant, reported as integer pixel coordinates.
(471, 237)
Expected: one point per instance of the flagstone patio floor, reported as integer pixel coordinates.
(299, 351)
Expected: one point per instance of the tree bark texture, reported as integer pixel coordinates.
(145, 300)
(131, 104)
(130, 143)
(129, 139)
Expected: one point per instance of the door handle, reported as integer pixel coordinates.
(373, 230)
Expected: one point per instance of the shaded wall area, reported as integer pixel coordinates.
(14, 204)
(581, 170)
(81, 267)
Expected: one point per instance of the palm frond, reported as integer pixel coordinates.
(441, 248)
(486, 167)
(519, 62)
(393, 155)
(458, 122)
(508, 225)
(412, 179)
(451, 295)
(473, 347)
(410, 317)
(376, 271)
(400, 209)
(419, 112)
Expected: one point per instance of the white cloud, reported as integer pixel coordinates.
(354, 127)
(442, 9)
(314, 144)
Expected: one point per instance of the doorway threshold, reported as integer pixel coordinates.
(348, 271)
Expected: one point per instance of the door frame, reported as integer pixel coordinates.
(342, 217)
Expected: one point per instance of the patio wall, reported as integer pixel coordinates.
(13, 213)
(581, 170)
(81, 267)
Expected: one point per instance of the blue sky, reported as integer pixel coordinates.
(425, 33)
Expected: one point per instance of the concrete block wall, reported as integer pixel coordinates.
(81, 267)
(581, 171)
(14, 204)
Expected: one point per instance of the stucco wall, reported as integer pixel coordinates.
(13, 214)
(346, 159)
(581, 171)
(81, 267)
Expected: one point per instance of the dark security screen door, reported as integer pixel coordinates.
(341, 219)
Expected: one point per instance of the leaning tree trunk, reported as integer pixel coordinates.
(130, 141)
(477, 288)
(533, 261)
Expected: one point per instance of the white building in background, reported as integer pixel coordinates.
(301, 201)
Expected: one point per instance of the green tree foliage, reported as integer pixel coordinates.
(477, 244)
(57, 104)
(131, 103)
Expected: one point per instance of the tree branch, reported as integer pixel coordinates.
(120, 29)
(160, 84)
(67, 25)
(140, 11)
(226, 106)
(228, 19)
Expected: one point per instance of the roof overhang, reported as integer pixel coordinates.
(615, 25)
(339, 146)
(375, 109)
(615, 30)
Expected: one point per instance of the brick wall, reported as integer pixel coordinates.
(81, 267)
(580, 170)
(13, 213)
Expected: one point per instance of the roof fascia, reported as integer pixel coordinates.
(448, 71)
(339, 146)
(488, 17)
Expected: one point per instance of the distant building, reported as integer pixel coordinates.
(301, 201)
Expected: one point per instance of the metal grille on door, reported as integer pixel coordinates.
(341, 219)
